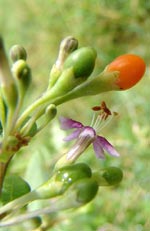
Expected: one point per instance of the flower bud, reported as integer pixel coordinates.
(48, 116)
(113, 175)
(86, 190)
(62, 179)
(131, 68)
(67, 46)
(72, 173)
(109, 176)
(29, 127)
(50, 112)
(18, 52)
(22, 73)
(82, 60)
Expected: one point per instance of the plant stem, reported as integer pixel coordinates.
(18, 203)
(3, 168)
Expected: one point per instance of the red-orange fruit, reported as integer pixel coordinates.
(131, 68)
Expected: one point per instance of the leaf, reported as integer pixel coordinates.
(14, 187)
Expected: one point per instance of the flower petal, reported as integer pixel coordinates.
(73, 135)
(98, 149)
(107, 146)
(67, 123)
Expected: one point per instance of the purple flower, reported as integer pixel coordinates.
(86, 135)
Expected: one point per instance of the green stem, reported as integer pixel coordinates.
(30, 109)
(18, 203)
(61, 203)
(3, 168)
(26, 128)
(102, 83)
(9, 126)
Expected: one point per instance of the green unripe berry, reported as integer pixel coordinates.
(18, 52)
(82, 60)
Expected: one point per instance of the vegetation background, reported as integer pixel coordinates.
(113, 28)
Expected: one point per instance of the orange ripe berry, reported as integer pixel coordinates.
(131, 68)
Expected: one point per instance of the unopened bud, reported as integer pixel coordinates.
(67, 46)
(18, 52)
(22, 73)
(113, 175)
(63, 179)
(29, 127)
(49, 115)
(71, 173)
(50, 112)
(108, 176)
(86, 190)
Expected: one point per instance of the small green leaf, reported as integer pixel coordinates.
(14, 187)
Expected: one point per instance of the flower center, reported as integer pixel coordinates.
(86, 137)
(88, 133)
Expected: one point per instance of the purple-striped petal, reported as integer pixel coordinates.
(107, 146)
(73, 135)
(98, 149)
(67, 123)
(85, 138)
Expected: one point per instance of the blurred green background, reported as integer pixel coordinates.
(113, 28)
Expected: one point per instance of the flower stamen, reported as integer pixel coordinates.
(103, 113)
